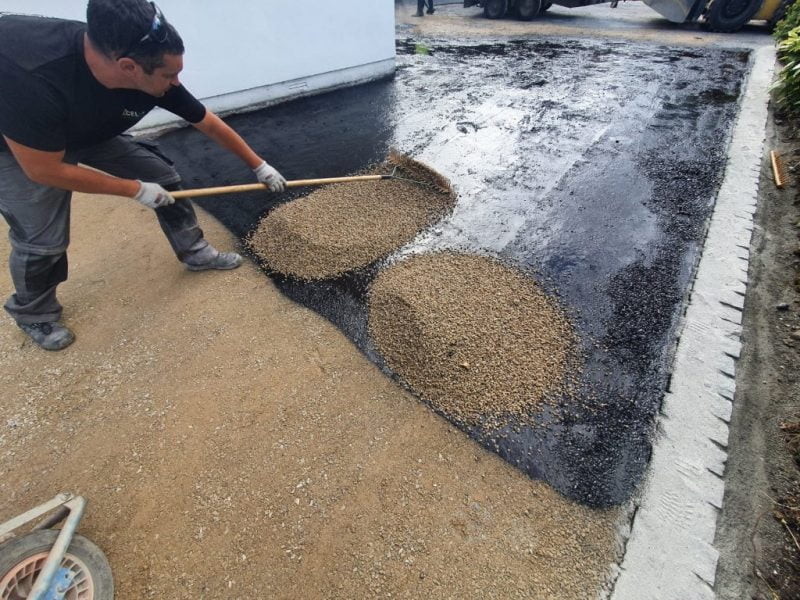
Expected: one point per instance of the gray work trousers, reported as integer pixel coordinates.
(38, 218)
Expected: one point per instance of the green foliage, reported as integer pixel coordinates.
(787, 88)
(791, 20)
(787, 34)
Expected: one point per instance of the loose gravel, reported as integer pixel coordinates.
(480, 341)
(343, 227)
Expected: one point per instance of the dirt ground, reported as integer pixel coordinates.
(758, 529)
(232, 444)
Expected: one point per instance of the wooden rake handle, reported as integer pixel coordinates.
(254, 187)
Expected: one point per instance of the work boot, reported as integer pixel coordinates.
(419, 14)
(50, 336)
(222, 261)
(431, 11)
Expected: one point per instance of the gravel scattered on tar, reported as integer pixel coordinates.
(479, 341)
(342, 227)
(593, 164)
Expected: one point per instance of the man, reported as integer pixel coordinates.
(421, 6)
(68, 91)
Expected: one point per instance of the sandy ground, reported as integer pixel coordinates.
(233, 444)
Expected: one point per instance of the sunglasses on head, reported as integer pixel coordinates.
(157, 33)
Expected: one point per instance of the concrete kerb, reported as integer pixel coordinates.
(669, 550)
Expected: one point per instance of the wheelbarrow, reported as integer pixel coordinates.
(52, 564)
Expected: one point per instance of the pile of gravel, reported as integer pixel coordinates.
(342, 227)
(479, 341)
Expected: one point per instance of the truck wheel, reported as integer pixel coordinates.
(528, 9)
(727, 16)
(494, 9)
(22, 558)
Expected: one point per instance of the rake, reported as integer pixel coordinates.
(420, 174)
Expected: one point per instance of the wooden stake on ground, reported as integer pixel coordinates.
(777, 169)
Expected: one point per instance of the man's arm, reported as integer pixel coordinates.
(49, 168)
(225, 136)
(220, 132)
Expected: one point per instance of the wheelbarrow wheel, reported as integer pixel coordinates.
(22, 558)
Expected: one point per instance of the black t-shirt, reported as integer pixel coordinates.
(49, 99)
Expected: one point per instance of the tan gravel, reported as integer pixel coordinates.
(342, 227)
(477, 339)
(233, 444)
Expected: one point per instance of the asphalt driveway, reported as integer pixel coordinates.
(591, 165)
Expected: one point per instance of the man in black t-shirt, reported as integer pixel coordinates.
(68, 91)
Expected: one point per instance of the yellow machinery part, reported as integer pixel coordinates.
(766, 11)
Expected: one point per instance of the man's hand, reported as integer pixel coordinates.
(270, 177)
(220, 132)
(153, 195)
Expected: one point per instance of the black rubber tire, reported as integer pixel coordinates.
(527, 9)
(728, 16)
(779, 13)
(97, 567)
(545, 6)
(495, 9)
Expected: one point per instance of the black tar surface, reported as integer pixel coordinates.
(593, 166)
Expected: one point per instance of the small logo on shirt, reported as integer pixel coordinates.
(132, 114)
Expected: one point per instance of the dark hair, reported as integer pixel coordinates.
(116, 28)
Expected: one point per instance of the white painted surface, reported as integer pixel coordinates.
(674, 10)
(670, 553)
(266, 47)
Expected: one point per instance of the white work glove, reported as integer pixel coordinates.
(270, 177)
(153, 195)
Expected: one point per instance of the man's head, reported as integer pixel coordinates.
(134, 33)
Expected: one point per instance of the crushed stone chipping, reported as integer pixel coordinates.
(342, 227)
(478, 340)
